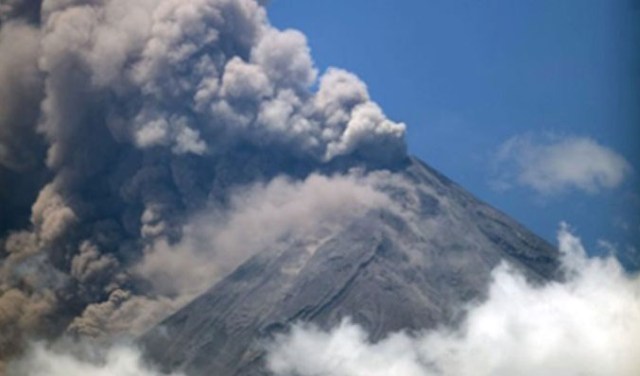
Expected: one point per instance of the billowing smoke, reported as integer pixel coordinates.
(120, 120)
(261, 217)
(215, 242)
(589, 324)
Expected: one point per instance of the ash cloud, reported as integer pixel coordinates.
(589, 324)
(21, 149)
(215, 242)
(121, 120)
(260, 216)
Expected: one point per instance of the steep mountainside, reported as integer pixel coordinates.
(388, 270)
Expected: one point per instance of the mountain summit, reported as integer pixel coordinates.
(410, 265)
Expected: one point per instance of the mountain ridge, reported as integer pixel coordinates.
(387, 270)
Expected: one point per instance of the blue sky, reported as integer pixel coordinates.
(468, 76)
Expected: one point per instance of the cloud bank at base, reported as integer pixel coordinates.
(587, 325)
(117, 361)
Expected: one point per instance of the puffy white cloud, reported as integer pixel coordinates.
(117, 361)
(343, 351)
(589, 324)
(556, 164)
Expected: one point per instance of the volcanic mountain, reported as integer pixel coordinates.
(409, 266)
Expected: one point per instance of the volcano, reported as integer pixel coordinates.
(386, 270)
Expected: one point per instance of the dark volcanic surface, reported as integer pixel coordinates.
(388, 270)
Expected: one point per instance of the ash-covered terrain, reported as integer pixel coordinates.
(410, 264)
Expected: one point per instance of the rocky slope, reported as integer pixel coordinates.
(391, 269)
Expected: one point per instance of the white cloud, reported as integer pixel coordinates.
(117, 361)
(587, 325)
(551, 165)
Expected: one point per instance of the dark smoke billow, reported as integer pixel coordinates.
(26, 10)
(120, 120)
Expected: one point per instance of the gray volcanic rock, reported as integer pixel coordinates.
(386, 270)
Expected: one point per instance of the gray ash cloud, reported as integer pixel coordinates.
(120, 119)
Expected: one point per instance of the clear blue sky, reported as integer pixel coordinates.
(466, 76)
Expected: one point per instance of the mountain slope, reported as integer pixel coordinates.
(388, 270)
